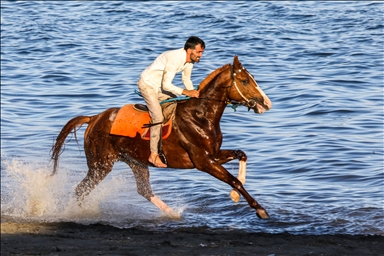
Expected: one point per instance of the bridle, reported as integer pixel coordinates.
(250, 103)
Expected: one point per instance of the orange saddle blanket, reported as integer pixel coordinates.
(130, 120)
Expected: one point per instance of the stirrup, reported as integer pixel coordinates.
(162, 158)
(158, 165)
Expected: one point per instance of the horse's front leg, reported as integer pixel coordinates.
(224, 156)
(218, 171)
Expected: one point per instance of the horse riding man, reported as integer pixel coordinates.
(155, 85)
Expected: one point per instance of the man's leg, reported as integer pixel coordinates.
(151, 98)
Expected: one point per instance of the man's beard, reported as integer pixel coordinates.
(195, 59)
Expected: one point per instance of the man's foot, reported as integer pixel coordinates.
(156, 161)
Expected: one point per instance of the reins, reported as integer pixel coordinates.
(232, 104)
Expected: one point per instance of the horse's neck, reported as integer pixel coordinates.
(212, 99)
(217, 90)
(213, 102)
(207, 108)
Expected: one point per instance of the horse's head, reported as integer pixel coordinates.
(246, 91)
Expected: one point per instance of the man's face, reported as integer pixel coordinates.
(196, 54)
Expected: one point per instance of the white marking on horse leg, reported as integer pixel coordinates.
(235, 196)
(163, 206)
(242, 171)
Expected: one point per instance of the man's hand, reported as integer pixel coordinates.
(191, 93)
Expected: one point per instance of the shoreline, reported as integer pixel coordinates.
(69, 238)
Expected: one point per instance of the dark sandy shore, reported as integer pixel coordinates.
(97, 239)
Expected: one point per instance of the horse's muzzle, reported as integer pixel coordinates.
(257, 108)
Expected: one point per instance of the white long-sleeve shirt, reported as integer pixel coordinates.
(163, 69)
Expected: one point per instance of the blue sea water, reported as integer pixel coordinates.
(315, 160)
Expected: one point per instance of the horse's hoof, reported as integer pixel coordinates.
(235, 196)
(173, 215)
(262, 214)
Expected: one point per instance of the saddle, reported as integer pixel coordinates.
(132, 119)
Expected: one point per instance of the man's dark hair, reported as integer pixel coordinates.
(192, 42)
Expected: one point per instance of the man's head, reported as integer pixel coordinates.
(194, 47)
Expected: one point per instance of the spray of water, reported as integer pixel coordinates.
(30, 193)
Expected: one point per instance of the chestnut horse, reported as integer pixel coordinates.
(195, 140)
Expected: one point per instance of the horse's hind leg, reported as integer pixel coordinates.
(224, 156)
(97, 171)
(144, 189)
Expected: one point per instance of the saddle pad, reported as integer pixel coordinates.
(129, 121)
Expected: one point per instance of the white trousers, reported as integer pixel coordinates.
(152, 99)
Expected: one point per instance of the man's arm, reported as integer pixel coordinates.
(169, 74)
(186, 78)
(168, 86)
(167, 82)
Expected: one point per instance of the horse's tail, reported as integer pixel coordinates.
(73, 125)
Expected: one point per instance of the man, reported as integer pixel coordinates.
(155, 84)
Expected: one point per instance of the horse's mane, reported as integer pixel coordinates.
(211, 76)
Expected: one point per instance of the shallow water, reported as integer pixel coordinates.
(315, 160)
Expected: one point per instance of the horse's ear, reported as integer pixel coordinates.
(236, 63)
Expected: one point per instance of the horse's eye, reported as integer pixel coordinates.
(244, 82)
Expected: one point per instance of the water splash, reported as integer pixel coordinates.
(30, 193)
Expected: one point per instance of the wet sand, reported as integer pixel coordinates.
(97, 239)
